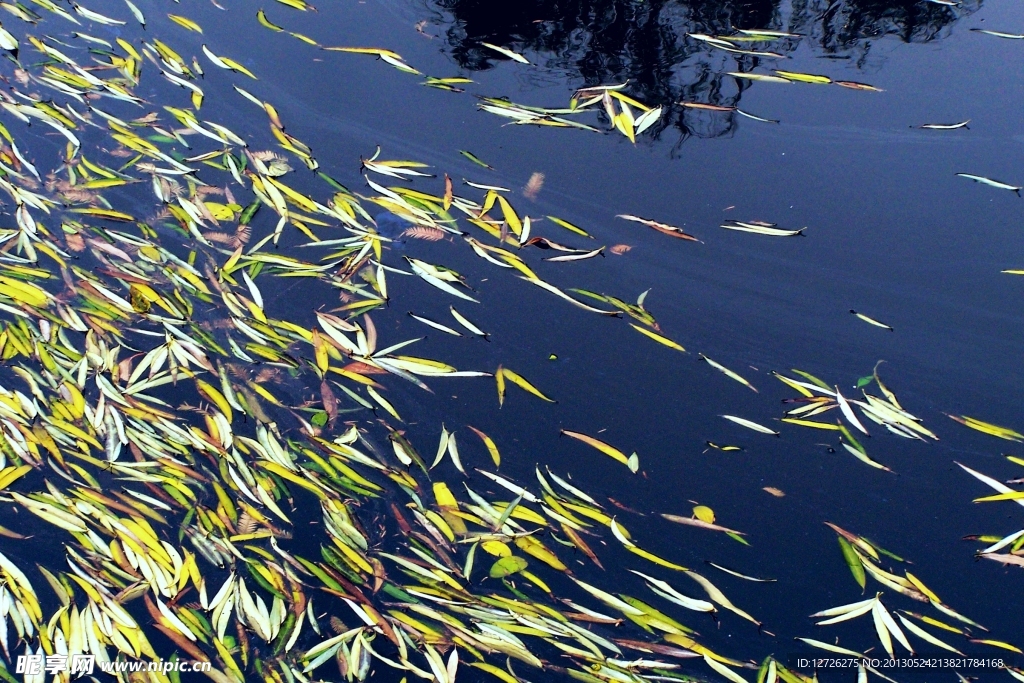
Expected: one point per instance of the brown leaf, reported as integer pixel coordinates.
(151, 117)
(657, 648)
(854, 85)
(77, 196)
(709, 107)
(4, 531)
(1004, 558)
(533, 186)
(207, 190)
(267, 374)
(378, 573)
(124, 368)
(364, 369)
(620, 249)
(581, 545)
(545, 243)
(689, 521)
(424, 232)
(268, 155)
(625, 508)
(246, 524)
(75, 242)
(220, 237)
(670, 230)
(774, 491)
(330, 402)
(592, 618)
(419, 28)
(371, 332)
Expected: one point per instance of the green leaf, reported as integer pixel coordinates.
(319, 419)
(736, 537)
(507, 566)
(853, 562)
(884, 551)
(864, 381)
(6, 675)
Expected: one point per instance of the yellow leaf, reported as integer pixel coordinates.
(514, 224)
(235, 66)
(104, 213)
(607, 449)
(321, 352)
(261, 16)
(492, 447)
(988, 428)
(444, 497)
(185, 22)
(804, 78)
(704, 514)
(496, 548)
(9, 475)
(531, 546)
(103, 183)
(1009, 495)
(522, 383)
(811, 423)
(658, 338)
(23, 292)
(654, 558)
(209, 393)
(495, 671)
(997, 643)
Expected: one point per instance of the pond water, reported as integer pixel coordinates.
(889, 229)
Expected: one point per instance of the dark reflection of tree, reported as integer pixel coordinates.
(843, 28)
(644, 41)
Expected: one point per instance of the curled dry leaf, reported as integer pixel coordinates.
(75, 242)
(620, 249)
(424, 232)
(533, 185)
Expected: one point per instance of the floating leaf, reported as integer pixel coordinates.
(508, 53)
(507, 566)
(660, 227)
(605, 448)
(704, 514)
(871, 321)
(804, 78)
(853, 561)
(999, 185)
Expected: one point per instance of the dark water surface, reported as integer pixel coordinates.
(891, 232)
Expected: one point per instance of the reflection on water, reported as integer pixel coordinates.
(646, 43)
